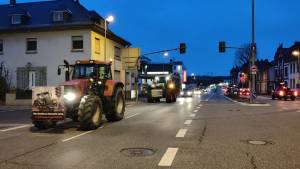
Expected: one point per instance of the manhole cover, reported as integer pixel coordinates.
(137, 152)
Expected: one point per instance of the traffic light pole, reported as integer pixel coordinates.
(253, 57)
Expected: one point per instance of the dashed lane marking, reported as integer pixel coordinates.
(168, 157)
(195, 111)
(79, 135)
(15, 128)
(132, 115)
(188, 122)
(181, 133)
(192, 115)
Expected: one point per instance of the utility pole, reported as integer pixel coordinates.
(253, 56)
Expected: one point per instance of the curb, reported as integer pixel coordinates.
(247, 104)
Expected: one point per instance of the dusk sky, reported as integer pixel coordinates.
(162, 24)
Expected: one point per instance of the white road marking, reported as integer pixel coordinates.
(192, 115)
(298, 111)
(195, 111)
(15, 128)
(188, 122)
(181, 133)
(132, 115)
(168, 157)
(79, 135)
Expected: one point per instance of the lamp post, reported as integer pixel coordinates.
(253, 56)
(297, 54)
(109, 19)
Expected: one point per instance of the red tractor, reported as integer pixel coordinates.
(88, 93)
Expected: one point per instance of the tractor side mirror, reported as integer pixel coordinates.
(59, 71)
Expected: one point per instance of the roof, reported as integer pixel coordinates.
(40, 18)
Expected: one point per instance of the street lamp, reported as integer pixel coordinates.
(109, 19)
(297, 54)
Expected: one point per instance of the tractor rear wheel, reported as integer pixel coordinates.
(44, 124)
(117, 106)
(90, 112)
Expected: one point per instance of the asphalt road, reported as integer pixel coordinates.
(204, 132)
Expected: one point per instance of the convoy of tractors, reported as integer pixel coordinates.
(90, 92)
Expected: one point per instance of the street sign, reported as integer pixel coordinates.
(253, 70)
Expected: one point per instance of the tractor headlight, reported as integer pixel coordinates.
(171, 86)
(70, 96)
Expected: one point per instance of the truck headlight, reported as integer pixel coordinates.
(70, 96)
(171, 86)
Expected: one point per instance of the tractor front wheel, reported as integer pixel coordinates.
(90, 112)
(117, 106)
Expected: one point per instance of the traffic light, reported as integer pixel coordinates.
(58, 91)
(222, 47)
(182, 48)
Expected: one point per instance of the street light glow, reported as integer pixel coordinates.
(296, 53)
(110, 19)
(166, 54)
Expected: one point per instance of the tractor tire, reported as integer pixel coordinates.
(41, 125)
(150, 99)
(293, 98)
(90, 113)
(168, 98)
(118, 106)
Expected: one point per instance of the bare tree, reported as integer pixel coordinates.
(242, 55)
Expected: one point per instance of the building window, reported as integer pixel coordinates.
(117, 53)
(16, 19)
(31, 45)
(294, 68)
(77, 43)
(58, 16)
(291, 68)
(97, 45)
(1, 46)
(286, 71)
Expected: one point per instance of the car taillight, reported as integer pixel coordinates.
(248, 94)
(281, 93)
(296, 93)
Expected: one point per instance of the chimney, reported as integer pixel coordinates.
(12, 2)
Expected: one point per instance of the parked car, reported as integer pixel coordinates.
(244, 92)
(283, 92)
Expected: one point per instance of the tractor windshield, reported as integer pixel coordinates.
(84, 71)
(91, 71)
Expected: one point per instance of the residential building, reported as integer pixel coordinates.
(36, 37)
(286, 66)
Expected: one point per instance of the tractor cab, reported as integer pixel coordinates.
(87, 69)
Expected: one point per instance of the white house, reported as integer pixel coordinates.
(36, 37)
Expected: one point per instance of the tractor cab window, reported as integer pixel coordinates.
(84, 71)
(104, 72)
